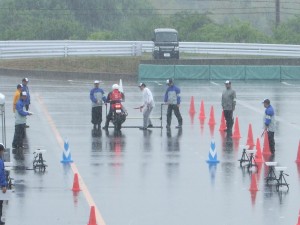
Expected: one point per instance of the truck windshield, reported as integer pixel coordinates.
(166, 36)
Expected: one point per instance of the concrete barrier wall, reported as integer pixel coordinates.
(220, 72)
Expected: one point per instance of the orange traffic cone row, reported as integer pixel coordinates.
(76, 187)
(202, 111)
(298, 155)
(223, 123)
(258, 155)
(250, 141)
(211, 121)
(236, 132)
(266, 148)
(192, 106)
(92, 220)
(253, 185)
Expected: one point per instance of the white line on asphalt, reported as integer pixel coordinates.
(214, 83)
(285, 83)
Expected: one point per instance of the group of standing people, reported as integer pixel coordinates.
(228, 105)
(171, 98)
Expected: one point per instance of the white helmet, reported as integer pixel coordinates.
(115, 86)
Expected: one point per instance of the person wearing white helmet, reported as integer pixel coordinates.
(115, 96)
(97, 97)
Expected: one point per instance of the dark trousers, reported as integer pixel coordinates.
(228, 114)
(271, 141)
(19, 135)
(1, 207)
(175, 108)
(97, 115)
(26, 107)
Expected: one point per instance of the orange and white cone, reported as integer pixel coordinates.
(76, 187)
(236, 133)
(266, 148)
(92, 220)
(258, 154)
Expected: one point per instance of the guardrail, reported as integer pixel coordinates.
(38, 49)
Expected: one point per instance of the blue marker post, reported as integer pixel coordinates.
(212, 156)
(66, 153)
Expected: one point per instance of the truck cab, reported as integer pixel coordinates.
(166, 44)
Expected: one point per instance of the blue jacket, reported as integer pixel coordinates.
(269, 119)
(97, 95)
(269, 114)
(3, 182)
(172, 95)
(20, 113)
(26, 89)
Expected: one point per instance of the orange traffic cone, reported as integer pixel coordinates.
(253, 185)
(202, 111)
(212, 121)
(258, 155)
(76, 183)
(236, 132)
(223, 123)
(250, 141)
(192, 106)
(266, 148)
(298, 155)
(92, 220)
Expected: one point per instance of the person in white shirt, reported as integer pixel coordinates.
(148, 104)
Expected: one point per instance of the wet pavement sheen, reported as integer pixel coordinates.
(157, 176)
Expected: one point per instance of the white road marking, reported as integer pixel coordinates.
(214, 83)
(285, 83)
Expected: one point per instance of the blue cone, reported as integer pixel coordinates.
(66, 154)
(212, 155)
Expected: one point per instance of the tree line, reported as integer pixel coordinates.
(125, 20)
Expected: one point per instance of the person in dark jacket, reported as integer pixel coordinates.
(172, 99)
(228, 105)
(3, 182)
(97, 97)
(26, 89)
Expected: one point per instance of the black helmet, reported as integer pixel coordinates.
(1, 147)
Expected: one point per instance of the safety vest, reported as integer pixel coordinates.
(115, 96)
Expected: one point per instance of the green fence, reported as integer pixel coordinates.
(218, 72)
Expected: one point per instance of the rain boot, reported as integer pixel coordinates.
(106, 125)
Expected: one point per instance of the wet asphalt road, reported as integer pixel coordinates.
(155, 176)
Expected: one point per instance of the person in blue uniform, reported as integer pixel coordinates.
(3, 182)
(172, 99)
(97, 98)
